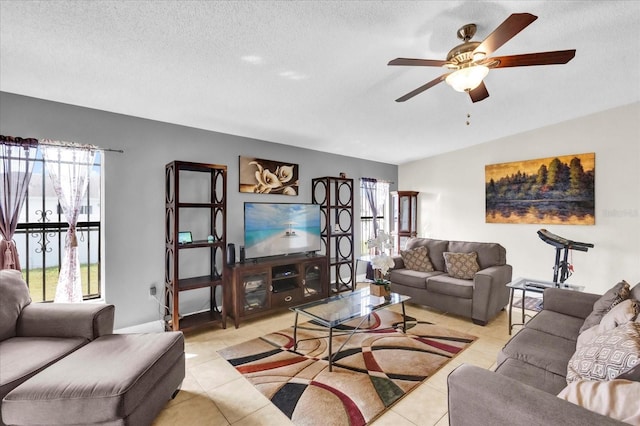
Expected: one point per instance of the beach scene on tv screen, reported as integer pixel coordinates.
(278, 229)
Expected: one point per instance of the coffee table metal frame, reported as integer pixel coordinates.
(341, 308)
(533, 286)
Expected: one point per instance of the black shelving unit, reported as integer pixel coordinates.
(335, 197)
(211, 252)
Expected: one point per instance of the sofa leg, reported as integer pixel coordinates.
(479, 322)
(175, 393)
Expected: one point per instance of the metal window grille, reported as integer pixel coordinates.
(41, 232)
(366, 215)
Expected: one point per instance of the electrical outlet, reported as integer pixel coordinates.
(152, 291)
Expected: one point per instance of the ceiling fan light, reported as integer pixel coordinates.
(467, 79)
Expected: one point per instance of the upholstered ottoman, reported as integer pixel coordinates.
(118, 379)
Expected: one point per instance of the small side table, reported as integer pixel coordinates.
(534, 286)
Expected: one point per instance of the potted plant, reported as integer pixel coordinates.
(381, 263)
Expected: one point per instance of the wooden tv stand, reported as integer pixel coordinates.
(264, 286)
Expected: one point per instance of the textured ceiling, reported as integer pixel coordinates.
(314, 74)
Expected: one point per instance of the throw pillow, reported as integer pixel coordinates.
(611, 298)
(620, 314)
(608, 355)
(417, 259)
(635, 292)
(14, 296)
(617, 399)
(461, 265)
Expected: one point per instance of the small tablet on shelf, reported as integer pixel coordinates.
(185, 237)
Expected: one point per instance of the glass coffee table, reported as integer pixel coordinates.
(341, 308)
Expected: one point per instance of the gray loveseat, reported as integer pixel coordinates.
(479, 298)
(61, 364)
(531, 371)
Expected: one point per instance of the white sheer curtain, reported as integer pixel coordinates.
(69, 166)
(16, 165)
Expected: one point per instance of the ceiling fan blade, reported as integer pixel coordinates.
(417, 62)
(479, 93)
(422, 88)
(505, 32)
(541, 58)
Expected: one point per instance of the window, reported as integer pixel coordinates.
(381, 196)
(41, 232)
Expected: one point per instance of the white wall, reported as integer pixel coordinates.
(452, 198)
(134, 187)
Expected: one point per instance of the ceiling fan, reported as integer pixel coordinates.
(470, 63)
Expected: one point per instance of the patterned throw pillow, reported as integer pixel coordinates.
(417, 259)
(461, 265)
(608, 355)
(616, 294)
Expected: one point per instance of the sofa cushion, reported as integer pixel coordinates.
(607, 356)
(14, 296)
(531, 375)
(461, 265)
(616, 398)
(445, 284)
(435, 248)
(489, 254)
(102, 382)
(611, 298)
(556, 324)
(411, 278)
(417, 259)
(22, 357)
(540, 349)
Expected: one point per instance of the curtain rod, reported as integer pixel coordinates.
(31, 141)
(378, 180)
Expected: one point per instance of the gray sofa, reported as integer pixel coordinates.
(61, 364)
(531, 371)
(480, 298)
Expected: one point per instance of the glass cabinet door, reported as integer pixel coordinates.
(312, 280)
(396, 214)
(256, 286)
(404, 214)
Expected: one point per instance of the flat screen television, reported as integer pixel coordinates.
(277, 229)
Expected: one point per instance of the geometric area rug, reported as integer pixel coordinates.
(530, 303)
(377, 367)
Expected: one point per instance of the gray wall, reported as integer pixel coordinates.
(134, 186)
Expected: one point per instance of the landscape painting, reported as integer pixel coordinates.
(555, 190)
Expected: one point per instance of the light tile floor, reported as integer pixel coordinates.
(214, 393)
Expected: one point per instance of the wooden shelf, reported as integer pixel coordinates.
(212, 252)
(198, 282)
(335, 197)
(200, 205)
(199, 320)
(200, 244)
